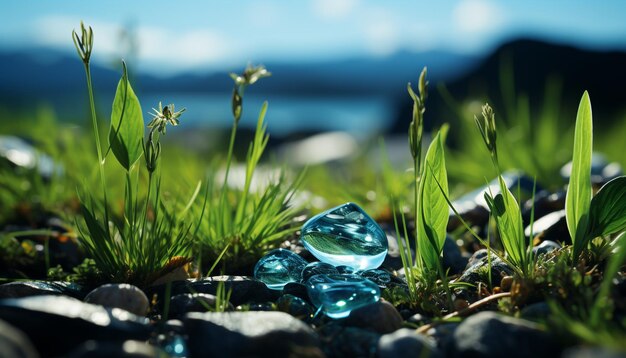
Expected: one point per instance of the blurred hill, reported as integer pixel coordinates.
(40, 72)
(27, 77)
(529, 66)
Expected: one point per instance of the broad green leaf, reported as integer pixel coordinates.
(607, 212)
(579, 189)
(127, 125)
(433, 212)
(507, 214)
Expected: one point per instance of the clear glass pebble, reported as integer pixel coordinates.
(345, 269)
(380, 277)
(347, 236)
(338, 295)
(278, 268)
(318, 268)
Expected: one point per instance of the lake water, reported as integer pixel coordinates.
(285, 114)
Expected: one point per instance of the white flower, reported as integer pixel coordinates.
(163, 116)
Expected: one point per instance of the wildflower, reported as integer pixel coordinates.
(416, 127)
(152, 151)
(250, 75)
(84, 43)
(163, 116)
(487, 127)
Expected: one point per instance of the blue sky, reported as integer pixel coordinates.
(190, 35)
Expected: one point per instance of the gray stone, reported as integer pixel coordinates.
(592, 352)
(443, 333)
(193, 302)
(14, 343)
(19, 289)
(20, 153)
(381, 317)
(479, 271)
(536, 312)
(488, 334)
(124, 296)
(56, 324)
(106, 349)
(544, 203)
(601, 170)
(452, 257)
(545, 247)
(339, 341)
(406, 343)
(244, 289)
(476, 257)
(256, 306)
(472, 206)
(552, 226)
(244, 334)
(393, 260)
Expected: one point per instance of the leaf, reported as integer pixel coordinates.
(433, 214)
(507, 214)
(578, 196)
(127, 125)
(607, 211)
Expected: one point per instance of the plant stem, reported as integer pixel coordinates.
(444, 281)
(94, 121)
(47, 253)
(229, 159)
(417, 169)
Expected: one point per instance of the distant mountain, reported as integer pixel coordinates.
(602, 73)
(43, 72)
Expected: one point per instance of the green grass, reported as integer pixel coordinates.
(592, 321)
(148, 240)
(248, 223)
(430, 209)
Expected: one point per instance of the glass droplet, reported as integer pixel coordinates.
(318, 268)
(338, 295)
(278, 268)
(345, 235)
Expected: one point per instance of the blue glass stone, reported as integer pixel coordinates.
(345, 235)
(338, 295)
(295, 306)
(380, 277)
(174, 346)
(318, 268)
(278, 268)
(345, 269)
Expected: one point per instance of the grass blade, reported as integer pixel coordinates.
(578, 196)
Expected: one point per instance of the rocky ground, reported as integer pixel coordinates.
(193, 317)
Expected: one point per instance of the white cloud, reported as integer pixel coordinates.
(156, 46)
(192, 48)
(263, 14)
(381, 32)
(55, 31)
(477, 16)
(333, 9)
